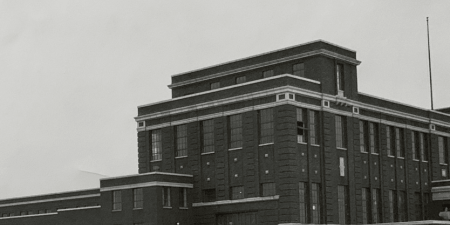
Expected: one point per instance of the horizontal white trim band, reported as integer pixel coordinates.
(147, 184)
(79, 208)
(24, 216)
(245, 200)
(50, 200)
(150, 173)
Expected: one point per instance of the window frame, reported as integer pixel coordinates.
(241, 79)
(156, 144)
(341, 132)
(181, 139)
(138, 198)
(214, 85)
(298, 69)
(117, 200)
(235, 131)
(166, 202)
(302, 129)
(182, 203)
(266, 126)
(207, 136)
(267, 73)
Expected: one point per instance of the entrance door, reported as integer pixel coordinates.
(248, 218)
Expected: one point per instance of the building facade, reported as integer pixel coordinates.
(284, 137)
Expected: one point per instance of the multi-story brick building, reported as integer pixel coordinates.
(284, 137)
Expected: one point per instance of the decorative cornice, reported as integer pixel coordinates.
(322, 52)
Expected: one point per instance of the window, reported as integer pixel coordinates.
(183, 198)
(392, 206)
(181, 140)
(302, 201)
(267, 73)
(299, 69)
(237, 192)
(209, 195)
(314, 127)
(23, 213)
(268, 189)
(156, 145)
(401, 206)
(415, 145)
(207, 136)
(315, 203)
(138, 198)
(417, 207)
(41, 211)
(240, 80)
(423, 143)
(301, 125)
(443, 153)
(373, 133)
(365, 205)
(399, 148)
(389, 147)
(363, 136)
(117, 201)
(342, 166)
(166, 196)
(235, 129)
(266, 126)
(426, 200)
(343, 204)
(215, 85)
(341, 132)
(376, 206)
(340, 77)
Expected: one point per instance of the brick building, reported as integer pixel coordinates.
(284, 137)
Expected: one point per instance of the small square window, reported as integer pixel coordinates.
(268, 73)
(355, 110)
(141, 124)
(298, 69)
(281, 96)
(240, 80)
(215, 85)
(325, 103)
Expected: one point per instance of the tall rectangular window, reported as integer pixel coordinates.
(340, 76)
(117, 200)
(343, 204)
(156, 145)
(314, 127)
(389, 148)
(301, 125)
(365, 207)
(399, 148)
(315, 203)
(401, 206)
(392, 206)
(268, 73)
(268, 189)
(376, 206)
(302, 191)
(181, 140)
(443, 153)
(215, 85)
(341, 132)
(266, 126)
(138, 198)
(207, 136)
(363, 136)
(240, 80)
(423, 147)
(182, 198)
(415, 145)
(235, 124)
(426, 201)
(299, 69)
(417, 206)
(166, 196)
(373, 134)
(237, 192)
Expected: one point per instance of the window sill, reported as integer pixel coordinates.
(207, 153)
(341, 148)
(391, 156)
(117, 210)
(373, 153)
(424, 161)
(234, 149)
(137, 208)
(180, 157)
(315, 145)
(184, 208)
(443, 164)
(365, 152)
(400, 157)
(302, 143)
(167, 207)
(265, 144)
(156, 160)
(416, 160)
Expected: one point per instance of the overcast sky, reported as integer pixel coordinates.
(72, 73)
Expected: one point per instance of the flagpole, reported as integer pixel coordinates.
(429, 66)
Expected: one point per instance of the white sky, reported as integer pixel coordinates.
(72, 73)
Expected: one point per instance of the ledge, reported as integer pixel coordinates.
(245, 200)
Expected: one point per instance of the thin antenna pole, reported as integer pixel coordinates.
(429, 66)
